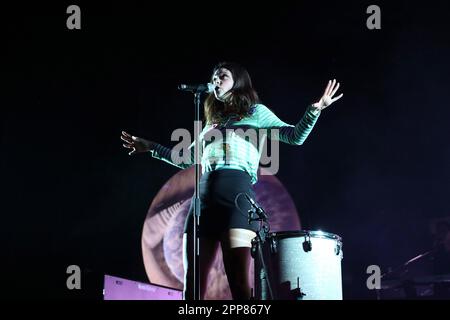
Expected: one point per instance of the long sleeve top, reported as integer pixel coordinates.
(237, 143)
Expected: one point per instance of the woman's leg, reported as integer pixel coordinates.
(236, 244)
(208, 248)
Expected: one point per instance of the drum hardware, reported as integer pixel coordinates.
(297, 293)
(257, 213)
(307, 245)
(264, 274)
(253, 249)
(273, 245)
(261, 236)
(337, 249)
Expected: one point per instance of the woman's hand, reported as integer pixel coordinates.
(327, 98)
(137, 144)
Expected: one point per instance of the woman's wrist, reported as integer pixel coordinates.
(314, 108)
(151, 146)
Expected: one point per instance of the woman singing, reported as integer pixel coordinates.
(229, 169)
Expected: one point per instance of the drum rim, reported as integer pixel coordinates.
(311, 233)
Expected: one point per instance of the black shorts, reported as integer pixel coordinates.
(218, 192)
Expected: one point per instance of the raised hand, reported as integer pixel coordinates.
(137, 144)
(327, 98)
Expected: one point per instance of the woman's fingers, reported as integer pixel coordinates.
(338, 97)
(334, 90)
(327, 88)
(129, 139)
(126, 139)
(330, 89)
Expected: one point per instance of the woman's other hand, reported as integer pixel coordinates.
(327, 98)
(137, 144)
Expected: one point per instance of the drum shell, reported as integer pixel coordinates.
(301, 265)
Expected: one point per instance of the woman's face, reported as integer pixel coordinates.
(223, 79)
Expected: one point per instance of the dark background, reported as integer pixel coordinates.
(374, 170)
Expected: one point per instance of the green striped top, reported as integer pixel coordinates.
(237, 144)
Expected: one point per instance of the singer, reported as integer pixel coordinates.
(229, 168)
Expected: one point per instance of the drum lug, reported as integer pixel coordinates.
(307, 245)
(254, 247)
(273, 245)
(337, 250)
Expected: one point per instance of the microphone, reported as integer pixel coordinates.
(197, 88)
(251, 200)
(260, 211)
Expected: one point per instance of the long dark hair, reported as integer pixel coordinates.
(242, 96)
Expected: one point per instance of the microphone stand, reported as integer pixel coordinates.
(261, 236)
(197, 90)
(197, 128)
